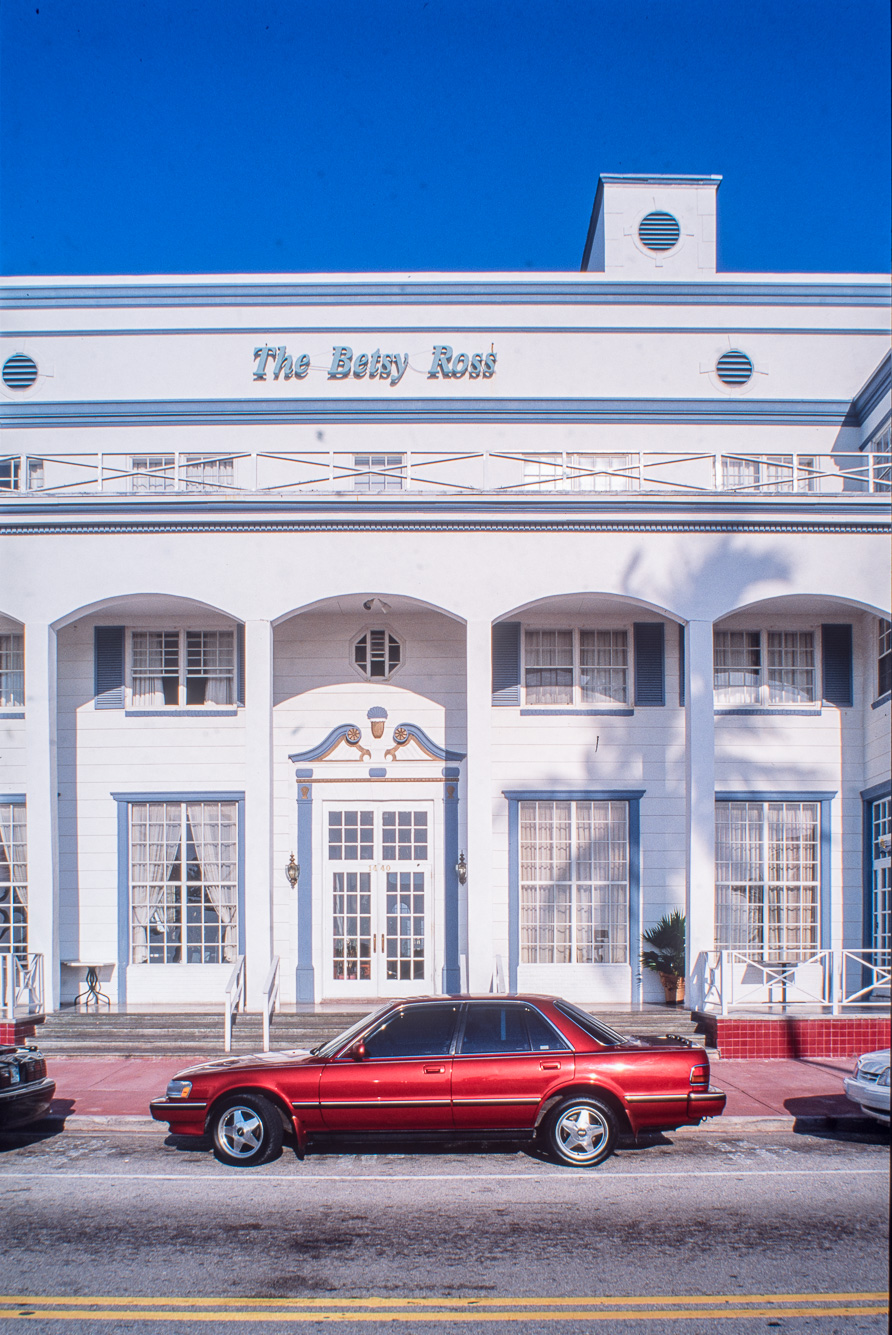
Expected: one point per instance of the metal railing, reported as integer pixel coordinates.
(234, 1000)
(289, 472)
(21, 985)
(726, 980)
(270, 998)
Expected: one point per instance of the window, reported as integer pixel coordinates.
(884, 657)
(377, 654)
(152, 472)
(574, 882)
(767, 879)
(499, 1027)
(881, 879)
(754, 667)
(183, 882)
(13, 879)
(417, 1031)
(378, 472)
(169, 668)
(208, 472)
(565, 667)
(12, 671)
(768, 472)
(579, 472)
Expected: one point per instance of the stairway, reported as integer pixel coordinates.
(192, 1034)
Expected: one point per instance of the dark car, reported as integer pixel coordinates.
(528, 1067)
(25, 1091)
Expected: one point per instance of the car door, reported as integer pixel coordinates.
(507, 1060)
(403, 1081)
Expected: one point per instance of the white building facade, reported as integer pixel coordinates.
(520, 609)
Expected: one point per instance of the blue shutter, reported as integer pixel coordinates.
(836, 644)
(650, 685)
(681, 665)
(506, 663)
(240, 664)
(108, 667)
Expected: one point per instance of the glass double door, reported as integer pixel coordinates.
(378, 899)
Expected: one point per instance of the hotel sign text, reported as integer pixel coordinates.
(377, 365)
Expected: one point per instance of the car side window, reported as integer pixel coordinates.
(543, 1037)
(417, 1031)
(494, 1028)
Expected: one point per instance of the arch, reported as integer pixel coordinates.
(817, 605)
(353, 603)
(149, 604)
(588, 600)
(10, 624)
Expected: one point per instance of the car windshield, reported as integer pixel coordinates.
(602, 1033)
(332, 1046)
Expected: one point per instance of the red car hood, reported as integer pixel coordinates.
(251, 1061)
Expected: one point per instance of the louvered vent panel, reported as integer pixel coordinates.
(734, 368)
(19, 371)
(659, 231)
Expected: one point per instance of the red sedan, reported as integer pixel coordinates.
(521, 1066)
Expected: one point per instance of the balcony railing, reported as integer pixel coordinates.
(837, 980)
(21, 985)
(293, 472)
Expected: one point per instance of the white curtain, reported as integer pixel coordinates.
(208, 839)
(162, 845)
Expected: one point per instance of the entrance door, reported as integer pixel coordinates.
(378, 900)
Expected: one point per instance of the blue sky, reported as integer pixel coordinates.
(144, 136)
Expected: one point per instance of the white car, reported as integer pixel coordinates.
(868, 1085)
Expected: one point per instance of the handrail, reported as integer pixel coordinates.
(848, 978)
(21, 984)
(271, 998)
(234, 998)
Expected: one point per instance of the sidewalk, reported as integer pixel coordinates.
(770, 1095)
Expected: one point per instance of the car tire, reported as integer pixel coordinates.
(580, 1131)
(246, 1130)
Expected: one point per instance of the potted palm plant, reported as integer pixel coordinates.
(666, 955)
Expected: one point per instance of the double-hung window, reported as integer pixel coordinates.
(775, 667)
(13, 879)
(579, 472)
(170, 668)
(574, 882)
(152, 472)
(884, 656)
(769, 472)
(212, 472)
(378, 472)
(767, 879)
(576, 667)
(183, 882)
(12, 671)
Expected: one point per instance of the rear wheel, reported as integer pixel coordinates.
(581, 1131)
(246, 1130)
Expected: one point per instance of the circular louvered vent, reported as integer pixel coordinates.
(659, 231)
(19, 371)
(734, 368)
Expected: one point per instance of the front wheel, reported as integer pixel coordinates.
(581, 1131)
(246, 1130)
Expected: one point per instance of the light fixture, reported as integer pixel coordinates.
(461, 869)
(292, 871)
(371, 604)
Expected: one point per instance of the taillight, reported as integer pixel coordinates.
(699, 1077)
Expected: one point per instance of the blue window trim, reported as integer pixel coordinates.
(515, 796)
(877, 704)
(173, 712)
(768, 711)
(868, 796)
(6, 714)
(124, 801)
(13, 799)
(824, 799)
(532, 712)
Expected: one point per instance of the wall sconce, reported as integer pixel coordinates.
(461, 869)
(292, 871)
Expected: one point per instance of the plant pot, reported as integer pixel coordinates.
(673, 987)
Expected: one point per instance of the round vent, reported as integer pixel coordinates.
(659, 231)
(734, 368)
(19, 372)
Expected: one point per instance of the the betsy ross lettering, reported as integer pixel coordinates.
(378, 366)
(452, 366)
(270, 359)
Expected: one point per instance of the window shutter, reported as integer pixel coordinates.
(681, 665)
(506, 663)
(240, 664)
(836, 646)
(650, 685)
(108, 667)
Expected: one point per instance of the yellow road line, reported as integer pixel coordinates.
(472, 1302)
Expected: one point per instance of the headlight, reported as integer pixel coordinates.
(179, 1089)
(884, 1077)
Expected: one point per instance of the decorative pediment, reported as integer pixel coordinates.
(406, 733)
(409, 743)
(345, 735)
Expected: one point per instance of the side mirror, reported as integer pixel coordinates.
(356, 1052)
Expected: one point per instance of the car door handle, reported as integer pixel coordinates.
(435, 1070)
(549, 1066)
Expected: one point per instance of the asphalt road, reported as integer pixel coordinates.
(694, 1233)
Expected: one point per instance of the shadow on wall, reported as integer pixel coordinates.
(708, 587)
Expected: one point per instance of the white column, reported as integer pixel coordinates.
(41, 787)
(258, 805)
(700, 795)
(478, 805)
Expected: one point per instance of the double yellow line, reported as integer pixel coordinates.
(677, 1307)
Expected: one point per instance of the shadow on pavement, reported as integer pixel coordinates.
(831, 1117)
(32, 1133)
